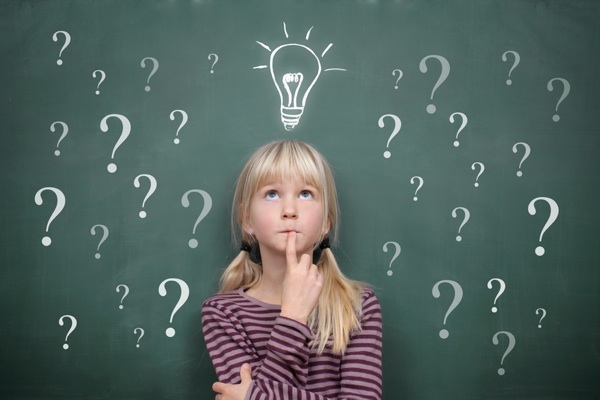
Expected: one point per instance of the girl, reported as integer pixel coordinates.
(287, 324)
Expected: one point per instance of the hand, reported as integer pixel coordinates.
(234, 392)
(302, 284)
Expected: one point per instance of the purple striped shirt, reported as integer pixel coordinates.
(240, 329)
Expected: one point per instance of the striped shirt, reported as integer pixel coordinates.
(240, 329)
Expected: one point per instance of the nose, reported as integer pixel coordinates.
(289, 210)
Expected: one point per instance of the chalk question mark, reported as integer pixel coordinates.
(126, 290)
(193, 243)
(125, 131)
(154, 69)
(71, 329)
(102, 240)
(400, 74)
(66, 43)
(500, 291)
(515, 63)
(465, 219)
(102, 77)
(151, 189)
(458, 294)
(443, 75)
(412, 182)
(551, 218)
(463, 124)
(525, 155)
(396, 254)
(565, 93)
(537, 312)
(397, 126)
(184, 119)
(511, 345)
(60, 205)
(481, 169)
(135, 331)
(213, 64)
(185, 292)
(65, 130)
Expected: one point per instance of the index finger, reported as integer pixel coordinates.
(290, 250)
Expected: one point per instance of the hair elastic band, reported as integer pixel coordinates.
(254, 251)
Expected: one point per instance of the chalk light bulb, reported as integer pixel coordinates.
(295, 69)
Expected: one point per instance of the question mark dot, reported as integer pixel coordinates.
(501, 371)
(120, 306)
(431, 109)
(390, 272)
(112, 168)
(415, 198)
(59, 62)
(142, 214)
(97, 92)
(476, 184)
(65, 346)
(137, 345)
(444, 334)
(519, 173)
(46, 241)
(97, 256)
(540, 326)
(509, 82)
(556, 118)
(396, 87)
(57, 152)
(176, 141)
(212, 72)
(193, 243)
(147, 88)
(387, 154)
(494, 309)
(170, 332)
(458, 238)
(539, 251)
(456, 143)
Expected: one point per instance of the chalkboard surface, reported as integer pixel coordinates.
(464, 138)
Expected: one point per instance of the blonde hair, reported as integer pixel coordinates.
(338, 311)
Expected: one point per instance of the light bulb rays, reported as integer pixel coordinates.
(295, 68)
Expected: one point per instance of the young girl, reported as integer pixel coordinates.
(287, 324)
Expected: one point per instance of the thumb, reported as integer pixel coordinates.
(245, 372)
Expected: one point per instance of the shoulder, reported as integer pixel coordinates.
(370, 306)
(223, 301)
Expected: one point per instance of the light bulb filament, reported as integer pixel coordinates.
(291, 80)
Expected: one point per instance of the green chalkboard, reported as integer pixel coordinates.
(464, 135)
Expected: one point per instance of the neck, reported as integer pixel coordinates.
(269, 287)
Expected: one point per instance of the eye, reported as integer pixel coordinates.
(271, 194)
(306, 194)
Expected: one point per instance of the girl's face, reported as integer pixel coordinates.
(280, 207)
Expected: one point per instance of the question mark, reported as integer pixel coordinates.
(481, 169)
(443, 75)
(397, 126)
(500, 291)
(458, 294)
(126, 289)
(213, 64)
(465, 219)
(62, 136)
(154, 69)
(126, 130)
(184, 119)
(515, 63)
(527, 152)
(185, 292)
(565, 93)
(102, 77)
(193, 243)
(511, 345)
(71, 329)
(60, 204)
(464, 120)
(104, 237)
(396, 254)
(543, 315)
(135, 331)
(153, 184)
(67, 41)
(400, 74)
(412, 182)
(551, 218)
